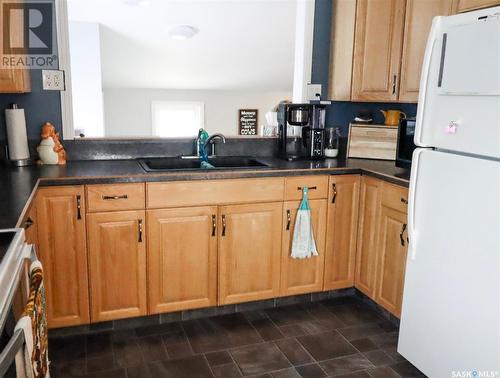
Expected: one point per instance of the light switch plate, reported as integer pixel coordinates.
(53, 80)
(313, 90)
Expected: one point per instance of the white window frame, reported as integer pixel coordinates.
(158, 103)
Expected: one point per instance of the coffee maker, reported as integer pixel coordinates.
(301, 132)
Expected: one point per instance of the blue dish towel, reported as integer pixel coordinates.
(303, 244)
(206, 165)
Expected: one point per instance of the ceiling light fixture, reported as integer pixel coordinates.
(182, 32)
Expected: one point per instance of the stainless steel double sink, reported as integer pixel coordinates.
(183, 163)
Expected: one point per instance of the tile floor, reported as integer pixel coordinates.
(335, 338)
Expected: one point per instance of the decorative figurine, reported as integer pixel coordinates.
(50, 149)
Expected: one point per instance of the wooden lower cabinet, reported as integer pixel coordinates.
(366, 254)
(392, 248)
(101, 266)
(300, 276)
(117, 264)
(63, 252)
(249, 238)
(342, 228)
(182, 258)
(30, 225)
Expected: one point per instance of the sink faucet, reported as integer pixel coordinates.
(212, 140)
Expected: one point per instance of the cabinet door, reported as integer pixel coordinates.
(468, 5)
(419, 15)
(249, 252)
(303, 275)
(63, 253)
(392, 247)
(341, 231)
(117, 263)
(182, 244)
(377, 49)
(366, 252)
(14, 80)
(30, 225)
(342, 49)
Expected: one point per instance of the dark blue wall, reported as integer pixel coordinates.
(340, 113)
(39, 106)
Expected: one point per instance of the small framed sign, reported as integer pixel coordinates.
(248, 120)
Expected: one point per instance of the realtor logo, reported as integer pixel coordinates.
(27, 35)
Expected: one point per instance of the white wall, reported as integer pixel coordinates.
(128, 111)
(86, 78)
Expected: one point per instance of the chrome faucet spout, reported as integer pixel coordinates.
(212, 140)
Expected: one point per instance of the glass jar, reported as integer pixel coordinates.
(332, 140)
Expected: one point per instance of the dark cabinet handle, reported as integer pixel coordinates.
(78, 207)
(29, 222)
(394, 81)
(223, 225)
(309, 188)
(125, 196)
(401, 238)
(334, 189)
(404, 200)
(288, 219)
(214, 224)
(140, 230)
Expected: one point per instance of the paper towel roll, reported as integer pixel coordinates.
(17, 138)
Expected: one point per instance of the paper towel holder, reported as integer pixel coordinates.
(17, 148)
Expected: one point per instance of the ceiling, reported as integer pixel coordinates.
(241, 44)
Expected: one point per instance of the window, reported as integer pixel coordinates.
(176, 119)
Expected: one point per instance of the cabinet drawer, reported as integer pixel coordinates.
(395, 197)
(115, 197)
(318, 187)
(213, 192)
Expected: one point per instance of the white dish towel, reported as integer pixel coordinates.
(303, 244)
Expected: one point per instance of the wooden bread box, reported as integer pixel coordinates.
(372, 141)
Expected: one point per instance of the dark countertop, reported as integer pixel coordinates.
(17, 185)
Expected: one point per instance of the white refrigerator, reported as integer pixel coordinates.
(450, 322)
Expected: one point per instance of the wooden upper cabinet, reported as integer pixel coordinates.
(63, 253)
(182, 258)
(342, 228)
(303, 275)
(378, 44)
(366, 256)
(342, 49)
(468, 5)
(117, 263)
(14, 80)
(419, 15)
(249, 238)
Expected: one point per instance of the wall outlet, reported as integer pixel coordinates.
(313, 92)
(53, 80)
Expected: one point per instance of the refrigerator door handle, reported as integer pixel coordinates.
(424, 79)
(412, 233)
